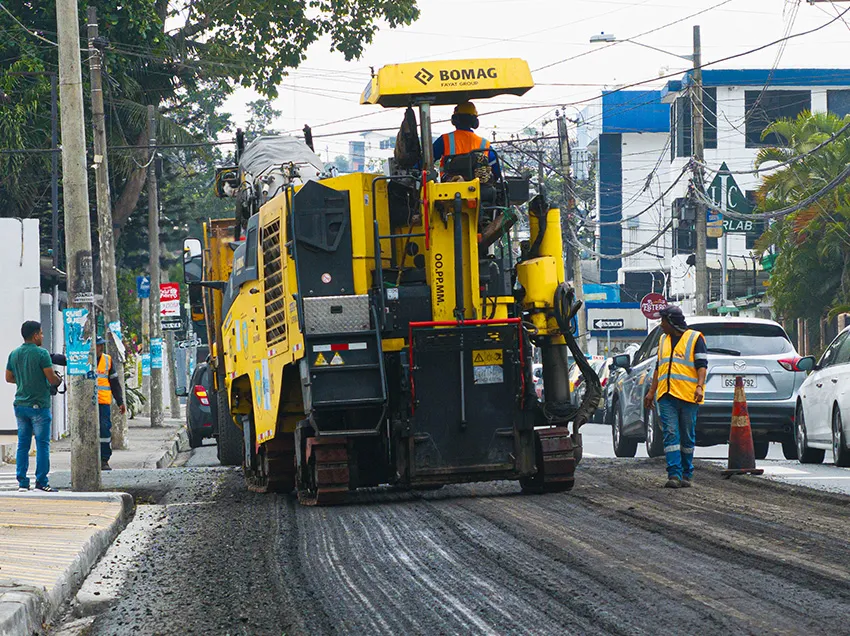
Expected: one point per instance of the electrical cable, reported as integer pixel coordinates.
(638, 250)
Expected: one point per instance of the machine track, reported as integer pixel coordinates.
(327, 472)
(275, 466)
(557, 457)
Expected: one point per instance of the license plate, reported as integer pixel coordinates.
(750, 381)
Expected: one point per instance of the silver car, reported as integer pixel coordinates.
(757, 350)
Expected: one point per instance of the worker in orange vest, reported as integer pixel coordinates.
(463, 141)
(108, 386)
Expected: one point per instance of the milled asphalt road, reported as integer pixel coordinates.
(618, 555)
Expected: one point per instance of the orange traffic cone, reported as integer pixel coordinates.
(742, 458)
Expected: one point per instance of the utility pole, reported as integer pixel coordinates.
(173, 401)
(569, 224)
(146, 348)
(701, 296)
(85, 450)
(109, 284)
(153, 239)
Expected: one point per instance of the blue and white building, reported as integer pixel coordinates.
(640, 142)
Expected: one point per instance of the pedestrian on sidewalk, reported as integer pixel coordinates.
(108, 387)
(678, 387)
(31, 370)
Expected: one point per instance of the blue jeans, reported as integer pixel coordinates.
(105, 415)
(33, 422)
(678, 423)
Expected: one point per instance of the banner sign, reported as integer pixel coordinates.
(156, 353)
(146, 364)
(77, 345)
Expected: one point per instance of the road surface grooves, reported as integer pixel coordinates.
(617, 555)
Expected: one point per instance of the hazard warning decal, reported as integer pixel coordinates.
(337, 360)
(487, 357)
(321, 361)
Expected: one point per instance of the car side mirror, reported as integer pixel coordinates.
(622, 361)
(181, 391)
(806, 364)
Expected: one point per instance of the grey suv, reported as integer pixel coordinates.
(758, 350)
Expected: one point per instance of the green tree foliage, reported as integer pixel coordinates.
(261, 116)
(811, 272)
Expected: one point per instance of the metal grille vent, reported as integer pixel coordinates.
(273, 276)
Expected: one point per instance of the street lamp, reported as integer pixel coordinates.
(610, 37)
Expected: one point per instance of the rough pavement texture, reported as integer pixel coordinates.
(618, 555)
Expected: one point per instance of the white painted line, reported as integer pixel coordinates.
(821, 477)
(589, 455)
(782, 470)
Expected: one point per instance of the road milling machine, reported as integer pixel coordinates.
(379, 329)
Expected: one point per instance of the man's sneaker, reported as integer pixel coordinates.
(686, 482)
(104, 465)
(673, 482)
(23, 489)
(45, 488)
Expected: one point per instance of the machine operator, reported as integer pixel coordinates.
(463, 141)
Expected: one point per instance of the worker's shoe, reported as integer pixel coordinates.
(45, 488)
(686, 482)
(673, 482)
(104, 465)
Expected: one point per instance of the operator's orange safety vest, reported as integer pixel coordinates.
(462, 142)
(677, 373)
(104, 391)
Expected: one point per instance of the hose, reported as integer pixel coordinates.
(566, 308)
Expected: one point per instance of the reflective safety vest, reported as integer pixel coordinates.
(677, 373)
(104, 391)
(462, 142)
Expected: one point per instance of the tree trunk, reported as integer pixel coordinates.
(126, 203)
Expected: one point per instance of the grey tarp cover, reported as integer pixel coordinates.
(267, 151)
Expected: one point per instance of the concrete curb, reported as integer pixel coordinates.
(25, 610)
(179, 443)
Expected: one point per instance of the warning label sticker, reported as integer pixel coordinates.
(337, 360)
(320, 361)
(486, 357)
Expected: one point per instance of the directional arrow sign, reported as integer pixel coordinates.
(608, 324)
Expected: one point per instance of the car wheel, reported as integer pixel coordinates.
(623, 446)
(760, 449)
(805, 454)
(195, 440)
(840, 454)
(654, 434)
(789, 448)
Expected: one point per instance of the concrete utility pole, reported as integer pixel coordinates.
(173, 400)
(701, 299)
(572, 250)
(109, 283)
(85, 449)
(153, 239)
(146, 347)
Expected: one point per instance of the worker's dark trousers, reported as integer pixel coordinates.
(105, 413)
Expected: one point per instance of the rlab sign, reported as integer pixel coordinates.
(725, 193)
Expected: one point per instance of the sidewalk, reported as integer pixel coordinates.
(147, 448)
(50, 542)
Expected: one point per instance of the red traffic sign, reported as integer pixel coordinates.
(651, 305)
(169, 291)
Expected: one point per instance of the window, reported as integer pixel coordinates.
(843, 356)
(681, 117)
(838, 102)
(648, 348)
(745, 339)
(830, 356)
(761, 108)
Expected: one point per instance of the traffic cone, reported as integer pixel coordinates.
(742, 460)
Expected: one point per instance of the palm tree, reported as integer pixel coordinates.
(812, 269)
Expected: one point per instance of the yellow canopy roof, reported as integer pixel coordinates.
(447, 82)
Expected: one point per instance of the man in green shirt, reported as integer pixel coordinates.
(31, 369)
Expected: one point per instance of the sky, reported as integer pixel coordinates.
(553, 36)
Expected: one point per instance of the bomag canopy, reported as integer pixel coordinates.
(447, 82)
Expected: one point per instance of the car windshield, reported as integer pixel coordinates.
(745, 339)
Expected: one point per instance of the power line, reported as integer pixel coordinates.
(637, 250)
(20, 24)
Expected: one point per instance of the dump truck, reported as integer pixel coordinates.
(378, 328)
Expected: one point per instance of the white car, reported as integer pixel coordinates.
(823, 405)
